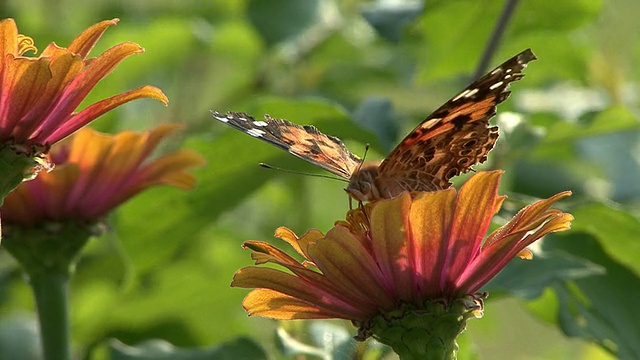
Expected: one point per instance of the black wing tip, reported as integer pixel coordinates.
(526, 55)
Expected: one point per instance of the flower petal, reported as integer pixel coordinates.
(171, 170)
(430, 217)
(351, 269)
(276, 305)
(310, 292)
(63, 67)
(8, 38)
(264, 252)
(23, 82)
(475, 206)
(81, 85)
(390, 231)
(76, 121)
(84, 42)
(530, 224)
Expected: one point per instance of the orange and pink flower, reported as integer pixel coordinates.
(394, 253)
(38, 95)
(96, 172)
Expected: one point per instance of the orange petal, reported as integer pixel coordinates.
(276, 305)
(80, 119)
(311, 292)
(23, 82)
(265, 252)
(390, 230)
(171, 170)
(475, 206)
(84, 42)
(530, 224)
(430, 217)
(347, 264)
(299, 244)
(8, 38)
(62, 68)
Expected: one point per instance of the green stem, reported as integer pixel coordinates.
(47, 253)
(51, 292)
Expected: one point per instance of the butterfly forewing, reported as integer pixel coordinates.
(305, 142)
(447, 143)
(455, 137)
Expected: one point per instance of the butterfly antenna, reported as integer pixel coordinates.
(271, 167)
(364, 156)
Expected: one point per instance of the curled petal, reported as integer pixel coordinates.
(84, 42)
(80, 119)
(529, 225)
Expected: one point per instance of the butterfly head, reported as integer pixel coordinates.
(362, 184)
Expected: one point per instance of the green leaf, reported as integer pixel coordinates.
(280, 20)
(617, 231)
(599, 308)
(241, 348)
(612, 119)
(528, 279)
(390, 18)
(376, 115)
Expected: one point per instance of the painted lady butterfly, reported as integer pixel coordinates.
(447, 143)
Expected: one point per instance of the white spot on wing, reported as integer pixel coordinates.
(255, 132)
(496, 85)
(260, 123)
(220, 118)
(465, 94)
(471, 92)
(429, 124)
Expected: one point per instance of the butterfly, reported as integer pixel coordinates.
(447, 143)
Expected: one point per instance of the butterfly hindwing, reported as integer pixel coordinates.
(305, 142)
(456, 136)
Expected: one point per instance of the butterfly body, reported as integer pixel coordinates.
(447, 143)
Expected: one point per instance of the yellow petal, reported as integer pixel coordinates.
(84, 42)
(276, 305)
(431, 216)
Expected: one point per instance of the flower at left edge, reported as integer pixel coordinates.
(48, 220)
(38, 95)
(95, 173)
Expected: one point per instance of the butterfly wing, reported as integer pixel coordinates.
(456, 136)
(305, 142)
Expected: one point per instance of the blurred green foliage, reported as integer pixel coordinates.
(367, 72)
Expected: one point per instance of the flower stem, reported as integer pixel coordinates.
(51, 292)
(47, 253)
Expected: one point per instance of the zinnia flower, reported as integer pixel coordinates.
(96, 172)
(38, 95)
(48, 220)
(406, 270)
